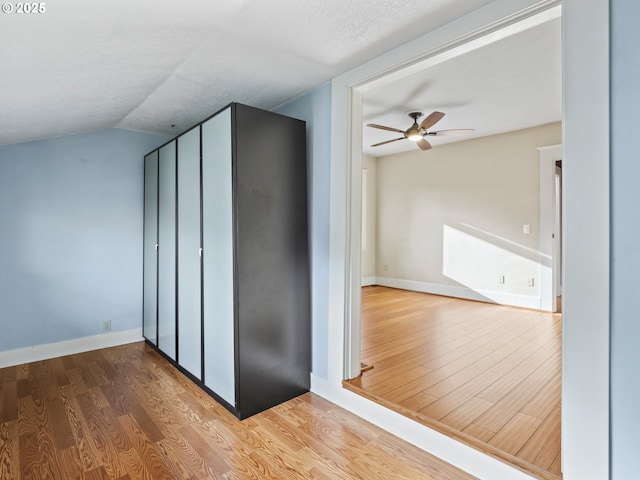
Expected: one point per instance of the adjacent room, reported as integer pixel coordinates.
(461, 243)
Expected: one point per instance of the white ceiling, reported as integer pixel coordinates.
(513, 83)
(147, 64)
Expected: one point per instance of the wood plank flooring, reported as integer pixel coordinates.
(125, 413)
(488, 375)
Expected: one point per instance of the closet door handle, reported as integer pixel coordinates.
(200, 251)
(156, 247)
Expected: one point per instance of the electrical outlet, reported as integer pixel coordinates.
(500, 279)
(530, 282)
(385, 268)
(106, 326)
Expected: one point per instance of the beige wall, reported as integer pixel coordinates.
(450, 220)
(369, 215)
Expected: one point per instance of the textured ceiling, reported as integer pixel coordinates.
(507, 85)
(145, 65)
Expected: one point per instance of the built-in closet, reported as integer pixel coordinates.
(226, 257)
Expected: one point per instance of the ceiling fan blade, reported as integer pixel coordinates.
(431, 120)
(388, 141)
(382, 127)
(459, 132)
(423, 144)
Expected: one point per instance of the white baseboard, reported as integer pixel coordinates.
(367, 281)
(461, 292)
(68, 347)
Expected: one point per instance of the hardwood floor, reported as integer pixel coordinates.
(125, 413)
(488, 375)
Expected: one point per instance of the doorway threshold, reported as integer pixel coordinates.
(353, 386)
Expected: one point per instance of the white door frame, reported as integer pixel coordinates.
(585, 399)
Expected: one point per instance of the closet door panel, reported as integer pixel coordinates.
(150, 254)
(167, 250)
(189, 279)
(218, 278)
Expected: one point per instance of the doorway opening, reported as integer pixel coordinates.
(467, 235)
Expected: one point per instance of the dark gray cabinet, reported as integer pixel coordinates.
(241, 282)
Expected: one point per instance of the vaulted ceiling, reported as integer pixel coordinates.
(147, 65)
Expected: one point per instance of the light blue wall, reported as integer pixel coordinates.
(71, 236)
(315, 108)
(625, 236)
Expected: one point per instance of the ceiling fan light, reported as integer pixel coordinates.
(415, 137)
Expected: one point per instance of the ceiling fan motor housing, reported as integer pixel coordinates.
(415, 132)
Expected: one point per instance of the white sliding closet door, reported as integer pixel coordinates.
(167, 250)
(219, 372)
(189, 278)
(150, 253)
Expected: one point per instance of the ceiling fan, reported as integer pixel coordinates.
(417, 133)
